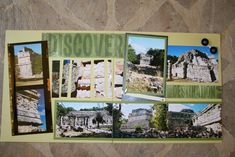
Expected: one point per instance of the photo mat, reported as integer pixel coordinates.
(30, 94)
(145, 65)
(193, 64)
(138, 121)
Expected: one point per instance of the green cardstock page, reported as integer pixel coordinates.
(108, 86)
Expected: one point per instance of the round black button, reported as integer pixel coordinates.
(205, 42)
(213, 50)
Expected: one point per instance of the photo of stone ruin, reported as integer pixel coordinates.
(30, 111)
(65, 78)
(28, 64)
(81, 79)
(99, 74)
(110, 78)
(145, 65)
(55, 83)
(192, 64)
(167, 121)
(79, 119)
(118, 79)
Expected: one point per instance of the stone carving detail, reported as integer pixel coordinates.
(81, 81)
(28, 115)
(65, 79)
(118, 79)
(99, 74)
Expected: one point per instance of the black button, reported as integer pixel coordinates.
(205, 42)
(213, 50)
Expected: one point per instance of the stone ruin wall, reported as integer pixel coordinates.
(209, 119)
(194, 72)
(28, 115)
(141, 118)
(24, 65)
(65, 79)
(85, 117)
(118, 78)
(81, 76)
(99, 74)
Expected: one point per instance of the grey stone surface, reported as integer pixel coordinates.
(211, 16)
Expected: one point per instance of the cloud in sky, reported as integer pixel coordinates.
(138, 48)
(42, 113)
(178, 107)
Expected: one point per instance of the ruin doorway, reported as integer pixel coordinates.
(185, 66)
(212, 74)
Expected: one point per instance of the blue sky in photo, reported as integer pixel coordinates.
(66, 61)
(35, 47)
(127, 108)
(178, 50)
(41, 108)
(143, 44)
(83, 105)
(179, 107)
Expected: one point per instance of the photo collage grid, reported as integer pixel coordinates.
(79, 120)
(118, 98)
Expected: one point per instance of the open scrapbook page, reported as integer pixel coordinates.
(81, 86)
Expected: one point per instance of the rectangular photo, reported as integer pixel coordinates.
(65, 78)
(55, 84)
(192, 64)
(110, 78)
(145, 64)
(31, 112)
(118, 79)
(28, 64)
(83, 119)
(81, 79)
(99, 76)
(167, 121)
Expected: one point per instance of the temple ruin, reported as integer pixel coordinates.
(195, 66)
(25, 63)
(180, 120)
(86, 119)
(28, 116)
(24, 67)
(210, 117)
(145, 59)
(138, 117)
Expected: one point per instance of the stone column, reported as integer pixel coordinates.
(61, 121)
(76, 120)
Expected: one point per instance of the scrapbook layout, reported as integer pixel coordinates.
(81, 86)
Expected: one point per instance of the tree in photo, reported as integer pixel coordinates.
(158, 57)
(99, 119)
(159, 118)
(117, 116)
(131, 55)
